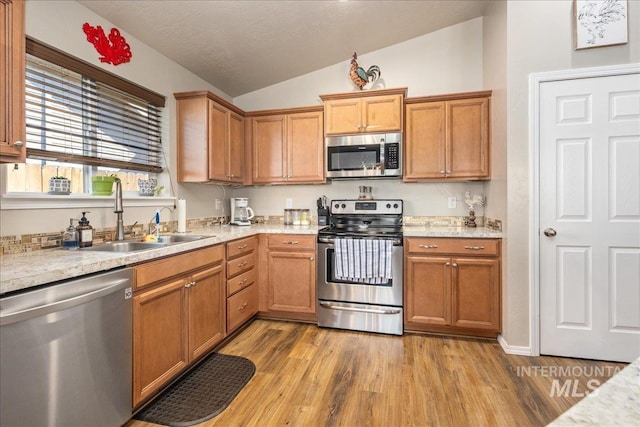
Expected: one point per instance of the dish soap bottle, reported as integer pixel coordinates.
(70, 237)
(85, 231)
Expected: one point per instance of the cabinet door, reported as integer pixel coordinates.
(467, 138)
(236, 147)
(476, 293)
(424, 154)
(207, 317)
(269, 149)
(241, 306)
(305, 147)
(159, 337)
(428, 290)
(381, 113)
(292, 282)
(218, 142)
(342, 116)
(12, 75)
(193, 139)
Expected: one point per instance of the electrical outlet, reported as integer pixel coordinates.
(452, 202)
(288, 203)
(218, 204)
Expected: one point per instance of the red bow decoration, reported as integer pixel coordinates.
(114, 50)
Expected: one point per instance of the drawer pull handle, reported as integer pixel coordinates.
(290, 242)
(242, 247)
(242, 307)
(310, 258)
(474, 248)
(455, 265)
(447, 264)
(429, 246)
(244, 281)
(242, 264)
(190, 284)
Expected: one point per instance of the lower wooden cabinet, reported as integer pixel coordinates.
(177, 319)
(290, 284)
(241, 307)
(242, 289)
(452, 285)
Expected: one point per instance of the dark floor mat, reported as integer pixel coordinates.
(201, 394)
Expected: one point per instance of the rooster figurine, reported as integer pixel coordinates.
(361, 77)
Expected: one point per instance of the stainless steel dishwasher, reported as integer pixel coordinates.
(66, 353)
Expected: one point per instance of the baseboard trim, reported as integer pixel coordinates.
(514, 349)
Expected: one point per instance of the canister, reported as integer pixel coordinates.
(304, 216)
(288, 216)
(296, 216)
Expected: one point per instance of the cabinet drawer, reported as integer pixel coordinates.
(454, 246)
(241, 306)
(240, 282)
(151, 272)
(241, 247)
(239, 265)
(296, 242)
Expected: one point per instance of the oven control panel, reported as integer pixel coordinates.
(367, 207)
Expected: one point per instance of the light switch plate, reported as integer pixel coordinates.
(452, 202)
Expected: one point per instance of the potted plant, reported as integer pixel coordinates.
(59, 184)
(103, 185)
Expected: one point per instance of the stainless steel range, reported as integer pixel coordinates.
(360, 267)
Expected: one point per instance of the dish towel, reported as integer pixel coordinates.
(363, 260)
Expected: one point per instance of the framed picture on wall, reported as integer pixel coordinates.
(600, 23)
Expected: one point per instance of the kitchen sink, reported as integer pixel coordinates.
(124, 247)
(180, 238)
(134, 246)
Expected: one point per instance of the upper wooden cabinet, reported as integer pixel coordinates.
(12, 85)
(287, 146)
(448, 137)
(357, 112)
(210, 139)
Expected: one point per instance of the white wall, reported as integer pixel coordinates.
(446, 61)
(539, 38)
(59, 24)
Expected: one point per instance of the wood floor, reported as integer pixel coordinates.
(307, 376)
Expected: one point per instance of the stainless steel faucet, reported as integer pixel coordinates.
(118, 211)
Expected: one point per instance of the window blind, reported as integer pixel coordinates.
(74, 118)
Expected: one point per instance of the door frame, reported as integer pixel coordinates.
(535, 81)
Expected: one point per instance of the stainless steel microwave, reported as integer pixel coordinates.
(364, 156)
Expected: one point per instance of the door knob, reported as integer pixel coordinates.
(549, 232)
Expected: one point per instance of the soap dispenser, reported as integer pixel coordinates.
(70, 236)
(85, 231)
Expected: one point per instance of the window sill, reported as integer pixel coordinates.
(48, 201)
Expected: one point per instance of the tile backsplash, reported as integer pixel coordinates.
(41, 241)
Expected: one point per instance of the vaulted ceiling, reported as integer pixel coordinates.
(241, 46)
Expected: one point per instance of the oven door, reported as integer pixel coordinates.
(332, 289)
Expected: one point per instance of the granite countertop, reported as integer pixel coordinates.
(465, 232)
(22, 271)
(614, 403)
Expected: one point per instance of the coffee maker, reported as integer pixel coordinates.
(241, 213)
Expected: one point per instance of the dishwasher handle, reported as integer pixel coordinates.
(42, 310)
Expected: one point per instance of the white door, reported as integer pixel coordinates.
(590, 218)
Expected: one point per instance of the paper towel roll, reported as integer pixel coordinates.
(182, 215)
